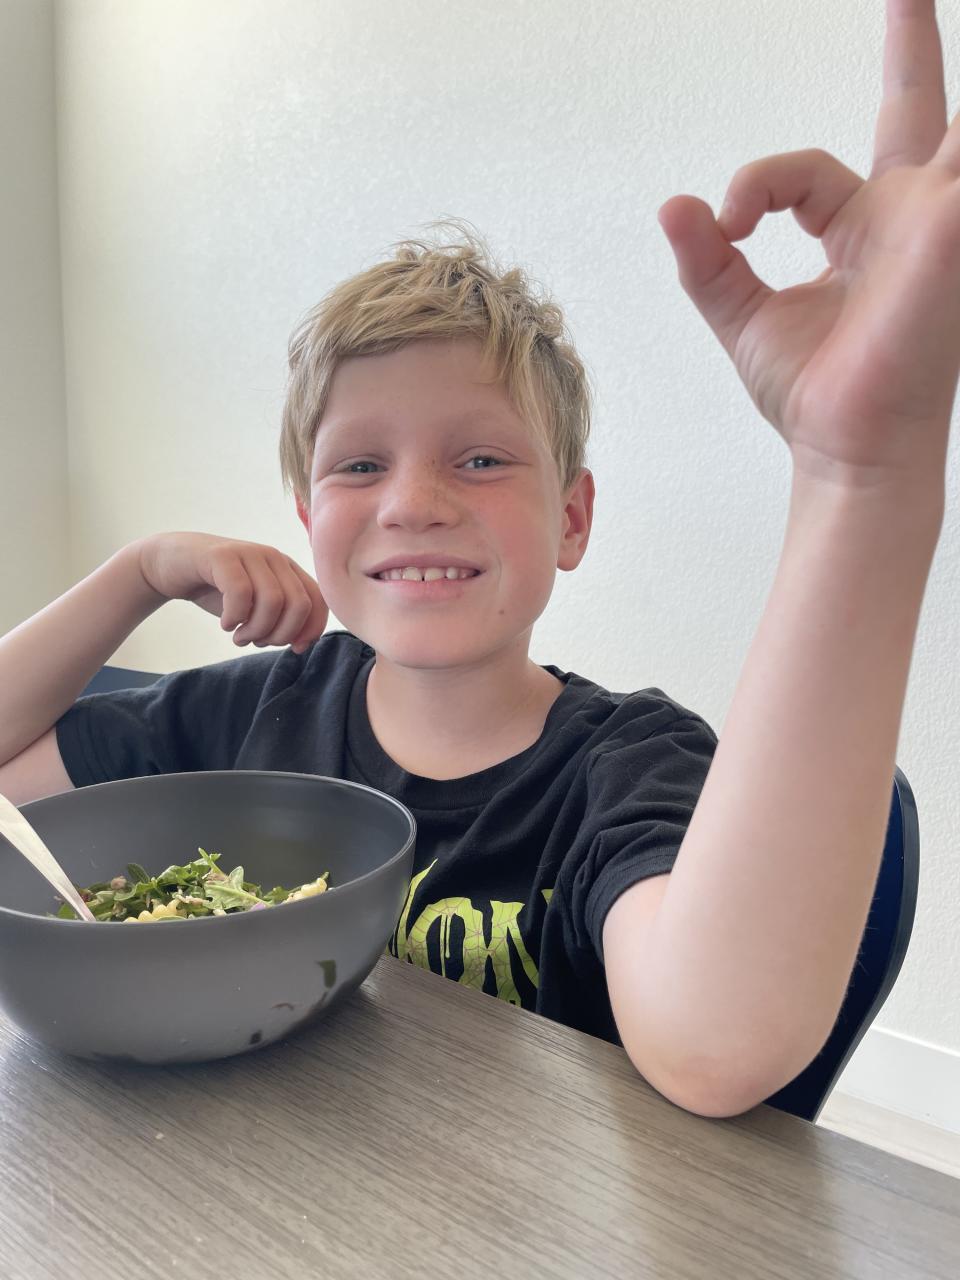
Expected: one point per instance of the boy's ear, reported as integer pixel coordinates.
(577, 520)
(304, 515)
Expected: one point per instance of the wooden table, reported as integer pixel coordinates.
(425, 1129)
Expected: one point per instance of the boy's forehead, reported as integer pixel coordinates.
(446, 378)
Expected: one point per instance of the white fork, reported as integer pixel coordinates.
(16, 829)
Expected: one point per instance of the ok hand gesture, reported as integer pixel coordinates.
(858, 368)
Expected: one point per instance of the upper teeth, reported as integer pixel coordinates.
(412, 574)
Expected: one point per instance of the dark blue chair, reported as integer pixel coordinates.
(108, 679)
(878, 963)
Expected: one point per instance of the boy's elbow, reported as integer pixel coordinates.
(721, 1087)
(712, 1098)
(714, 1095)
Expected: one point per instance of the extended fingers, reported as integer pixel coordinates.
(913, 111)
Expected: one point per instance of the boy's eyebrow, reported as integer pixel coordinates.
(469, 418)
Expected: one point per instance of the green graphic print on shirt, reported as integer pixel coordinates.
(409, 942)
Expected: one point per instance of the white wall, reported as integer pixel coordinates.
(34, 513)
(223, 164)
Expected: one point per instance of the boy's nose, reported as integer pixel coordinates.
(416, 499)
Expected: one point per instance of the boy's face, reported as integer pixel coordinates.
(417, 462)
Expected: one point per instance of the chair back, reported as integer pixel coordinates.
(878, 962)
(109, 679)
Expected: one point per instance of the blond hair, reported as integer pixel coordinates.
(451, 290)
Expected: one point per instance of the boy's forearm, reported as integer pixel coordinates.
(47, 661)
(748, 957)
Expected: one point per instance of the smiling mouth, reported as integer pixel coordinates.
(412, 574)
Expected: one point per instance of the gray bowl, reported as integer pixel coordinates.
(192, 990)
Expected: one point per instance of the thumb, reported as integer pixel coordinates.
(714, 275)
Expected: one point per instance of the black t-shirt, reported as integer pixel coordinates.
(516, 866)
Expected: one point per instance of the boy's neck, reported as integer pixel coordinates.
(444, 724)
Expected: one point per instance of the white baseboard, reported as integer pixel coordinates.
(902, 1135)
(907, 1076)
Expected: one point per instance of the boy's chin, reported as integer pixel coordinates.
(427, 657)
(427, 648)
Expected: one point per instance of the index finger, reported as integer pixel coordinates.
(912, 118)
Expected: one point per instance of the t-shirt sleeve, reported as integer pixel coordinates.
(641, 797)
(184, 722)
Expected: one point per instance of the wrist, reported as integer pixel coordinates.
(134, 559)
(904, 506)
(919, 460)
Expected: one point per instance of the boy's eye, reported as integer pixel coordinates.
(353, 468)
(484, 460)
(366, 467)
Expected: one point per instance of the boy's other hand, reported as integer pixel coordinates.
(858, 368)
(257, 592)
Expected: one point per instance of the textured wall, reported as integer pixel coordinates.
(224, 164)
(33, 442)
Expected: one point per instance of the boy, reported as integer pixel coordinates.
(433, 436)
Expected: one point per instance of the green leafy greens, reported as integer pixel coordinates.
(199, 888)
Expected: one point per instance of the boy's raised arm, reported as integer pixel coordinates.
(726, 977)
